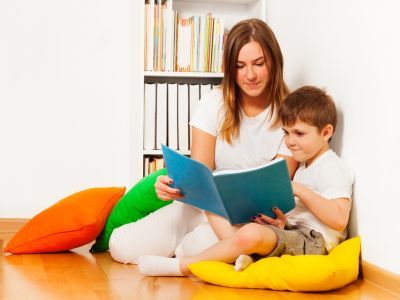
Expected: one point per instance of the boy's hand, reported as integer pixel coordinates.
(279, 221)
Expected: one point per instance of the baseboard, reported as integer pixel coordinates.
(11, 225)
(380, 277)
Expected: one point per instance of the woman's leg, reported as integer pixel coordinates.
(158, 233)
(249, 239)
(196, 241)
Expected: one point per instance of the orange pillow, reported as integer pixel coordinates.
(72, 222)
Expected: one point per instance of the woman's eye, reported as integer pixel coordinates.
(239, 66)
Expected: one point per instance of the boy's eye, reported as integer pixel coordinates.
(299, 133)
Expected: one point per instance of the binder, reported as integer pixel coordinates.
(161, 128)
(194, 96)
(183, 117)
(149, 137)
(172, 137)
(205, 89)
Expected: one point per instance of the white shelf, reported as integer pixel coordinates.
(217, 1)
(183, 74)
(159, 152)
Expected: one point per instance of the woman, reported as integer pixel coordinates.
(234, 127)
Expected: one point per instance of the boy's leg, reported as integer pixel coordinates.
(249, 239)
(221, 226)
(242, 262)
(252, 238)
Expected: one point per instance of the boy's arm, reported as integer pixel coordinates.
(291, 164)
(333, 213)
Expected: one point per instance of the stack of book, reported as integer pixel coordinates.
(152, 164)
(173, 43)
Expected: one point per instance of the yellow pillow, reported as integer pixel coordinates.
(304, 273)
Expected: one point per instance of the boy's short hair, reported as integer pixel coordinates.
(310, 105)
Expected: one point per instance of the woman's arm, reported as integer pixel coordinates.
(291, 163)
(203, 147)
(333, 213)
(202, 150)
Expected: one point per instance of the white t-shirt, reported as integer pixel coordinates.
(330, 177)
(256, 144)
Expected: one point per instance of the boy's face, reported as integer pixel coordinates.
(306, 142)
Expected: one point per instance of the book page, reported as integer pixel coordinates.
(222, 172)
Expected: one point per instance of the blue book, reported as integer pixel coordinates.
(235, 195)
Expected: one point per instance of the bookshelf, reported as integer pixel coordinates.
(230, 11)
(150, 74)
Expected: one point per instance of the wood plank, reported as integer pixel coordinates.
(380, 277)
(11, 224)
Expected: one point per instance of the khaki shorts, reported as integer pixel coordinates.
(297, 240)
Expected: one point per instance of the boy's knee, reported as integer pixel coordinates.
(248, 237)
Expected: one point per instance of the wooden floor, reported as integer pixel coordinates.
(81, 275)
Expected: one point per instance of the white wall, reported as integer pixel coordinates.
(65, 100)
(352, 48)
(69, 71)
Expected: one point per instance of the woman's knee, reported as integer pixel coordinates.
(119, 247)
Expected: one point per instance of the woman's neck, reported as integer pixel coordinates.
(252, 106)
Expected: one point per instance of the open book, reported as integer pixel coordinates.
(235, 195)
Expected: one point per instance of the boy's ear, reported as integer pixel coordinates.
(327, 132)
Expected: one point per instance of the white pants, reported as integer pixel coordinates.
(173, 227)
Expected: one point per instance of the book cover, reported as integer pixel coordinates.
(235, 195)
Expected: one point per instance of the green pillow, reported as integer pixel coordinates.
(140, 201)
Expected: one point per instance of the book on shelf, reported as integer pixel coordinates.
(159, 161)
(149, 136)
(152, 166)
(161, 112)
(236, 195)
(146, 166)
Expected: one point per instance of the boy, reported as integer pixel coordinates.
(322, 186)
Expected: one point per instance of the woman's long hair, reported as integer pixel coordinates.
(241, 34)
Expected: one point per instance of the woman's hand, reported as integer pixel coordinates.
(279, 221)
(164, 191)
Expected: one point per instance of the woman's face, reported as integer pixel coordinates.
(251, 70)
